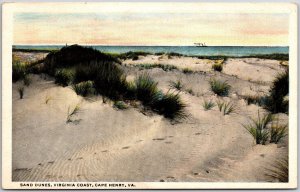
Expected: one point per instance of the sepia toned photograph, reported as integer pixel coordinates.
(149, 95)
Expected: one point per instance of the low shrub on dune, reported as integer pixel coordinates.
(220, 88)
(217, 67)
(207, 105)
(170, 105)
(120, 105)
(84, 88)
(276, 102)
(146, 88)
(63, 76)
(176, 85)
(18, 71)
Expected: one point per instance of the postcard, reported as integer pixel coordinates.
(141, 95)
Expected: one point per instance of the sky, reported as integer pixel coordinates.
(135, 27)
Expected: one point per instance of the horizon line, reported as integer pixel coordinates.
(149, 45)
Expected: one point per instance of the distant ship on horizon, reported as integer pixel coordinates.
(200, 44)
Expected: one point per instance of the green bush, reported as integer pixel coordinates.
(84, 88)
(275, 102)
(219, 87)
(170, 105)
(217, 67)
(146, 88)
(187, 71)
(120, 105)
(18, 71)
(164, 67)
(63, 76)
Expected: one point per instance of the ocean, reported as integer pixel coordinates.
(186, 50)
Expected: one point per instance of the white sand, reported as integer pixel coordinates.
(113, 145)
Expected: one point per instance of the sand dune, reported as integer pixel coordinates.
(105, 144)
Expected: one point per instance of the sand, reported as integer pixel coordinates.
(106, 144)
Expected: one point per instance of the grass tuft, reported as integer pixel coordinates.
(277, 132)
(18, 71)
(21, 92)
(207, 105)
(258, 128)
(275, 102)
(120, 105)
(279, 172)
(27, 80)
(170, 105)
(63, 76)
(187, 71)
(176, 85)
(146, 88)
(219, 87)
(84, 88)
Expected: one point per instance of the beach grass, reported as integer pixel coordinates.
(176, 85)
(169, 105)
(84, 88)
(120, 105)
(64, 76)
(21, 92)
(26, 80)
(217, 67)
(165, 67)
(279, 171)
(187, 71)
(220, 88)
(276, 102)
(258, 128)
(146, 88)
(277, 132)
(19, 71)
(207, 105)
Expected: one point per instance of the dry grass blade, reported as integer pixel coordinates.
(279, 172)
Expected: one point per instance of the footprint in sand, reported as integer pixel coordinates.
(168, 142)
(197, 133)
(104, 151)
(196, 173)
(40, 164)
(51, 162)
(78, 175)
(171, 136)
(70, 159)
(139, 141)
(158, 139)
(127, 147)
(79, 158)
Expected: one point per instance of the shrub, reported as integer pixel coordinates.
(27, 80)
(187, 71)
(164, 67)
(207, 105)
(18, 71)
(275, 102)
(217, 67)
(219, 87)
(84, 88)
(254, 99)
(63, 77)
(169, 105)
(146, 88)
(176, 85)
(21, 92)
(190, 91)
(73, 55)
(277, 132)
(258, 128)
(134, 55)
(120, 105)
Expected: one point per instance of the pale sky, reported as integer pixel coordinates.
(130, 27)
